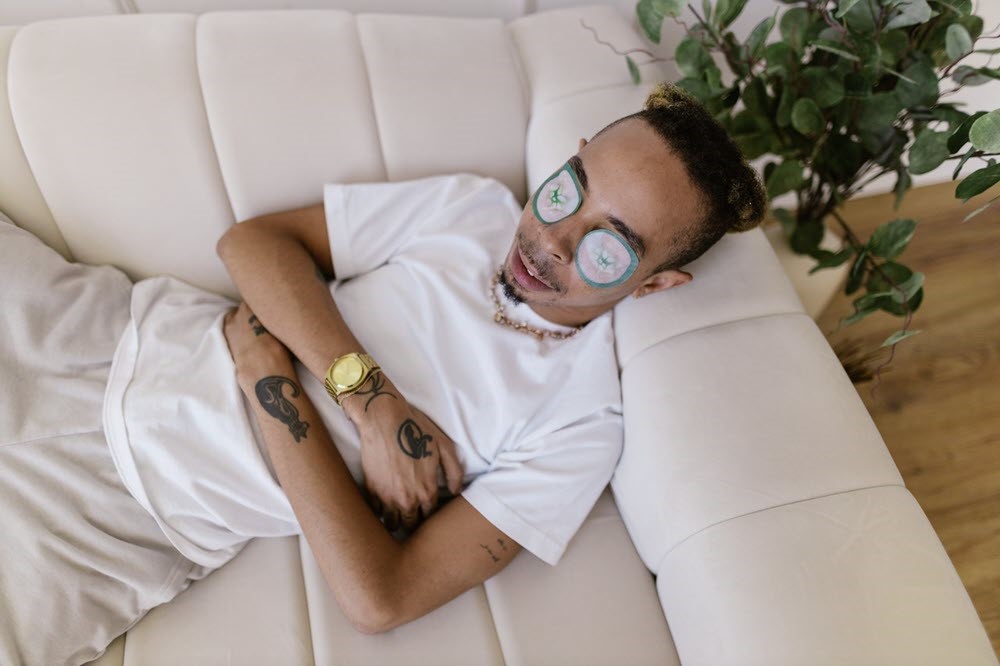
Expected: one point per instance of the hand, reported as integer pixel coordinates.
(250, 344)
(401, 451)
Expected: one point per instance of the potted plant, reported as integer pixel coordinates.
(850, 90)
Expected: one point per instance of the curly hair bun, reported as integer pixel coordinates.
(665, 95)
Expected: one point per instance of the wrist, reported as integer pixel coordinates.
(375, 392)
(251, 370)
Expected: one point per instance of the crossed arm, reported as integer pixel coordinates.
(378, 582)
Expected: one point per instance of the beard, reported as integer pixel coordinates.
(508, 289)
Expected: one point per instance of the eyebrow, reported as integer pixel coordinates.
(634, 239)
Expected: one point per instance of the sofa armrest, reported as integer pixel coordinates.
(758, 489)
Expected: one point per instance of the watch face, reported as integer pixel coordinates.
(348, 371)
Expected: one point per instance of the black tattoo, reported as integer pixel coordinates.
(415, 438)
(377, 382)
(502, 545)
(319, 274)
(269, 394)
(495, 558)
(258, 328)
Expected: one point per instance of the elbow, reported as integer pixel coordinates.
(224, 242)
(375, 610)
(375, 621)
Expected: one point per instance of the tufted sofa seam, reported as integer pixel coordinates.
(24, 154)
(659, 565)
(371, 95)
(208, 119)
(493, 619)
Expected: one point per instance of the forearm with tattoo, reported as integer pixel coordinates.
(269, 394)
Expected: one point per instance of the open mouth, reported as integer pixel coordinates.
(523, 274)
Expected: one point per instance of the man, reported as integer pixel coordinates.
(627, 199)
(398, 344)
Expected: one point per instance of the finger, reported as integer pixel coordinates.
(428, 508)
(453, 471)
(373, 501)
(391, 519)
(410, 520)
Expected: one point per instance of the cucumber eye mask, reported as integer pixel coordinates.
(558, 197)
(604, 259)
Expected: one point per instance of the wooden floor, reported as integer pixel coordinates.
(938, 404)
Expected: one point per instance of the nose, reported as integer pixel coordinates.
(557, 242)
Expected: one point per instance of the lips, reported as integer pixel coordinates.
(523, 273)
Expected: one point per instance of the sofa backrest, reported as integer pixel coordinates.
(137, 140)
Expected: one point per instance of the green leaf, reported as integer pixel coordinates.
(856, 86)
(670, 7)
(924, 90)
(974, 24)
(755, 97)
(696, 87)
(857, 273)
(755, 42)
(807, 118)
(787, 176)
(843, 6)
(978, 182)
(903, 183)
(835, 47)
(822, 86)
(729, 13)
(898, 274)
(857, 316)
(908, 287)
(793, 26)
(691, 57)
(960, 136)
(807, 236)
(985, 132)
(879, 110)
(871, 300)
(928, 151)
(909, 12)
(633, 70)
(899, 335)
(890, 238)
(832, 259)
(960, 7)
(981, 208)
(650, 19)
(974, 76)
(783, 116)
(957, 41)
(894, 44)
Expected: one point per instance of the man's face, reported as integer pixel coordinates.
(636, 189)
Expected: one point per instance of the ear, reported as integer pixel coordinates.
(660, 281)
(583, 142)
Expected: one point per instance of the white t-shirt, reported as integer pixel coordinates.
(537, 424)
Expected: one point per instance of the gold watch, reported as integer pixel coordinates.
(347, 373)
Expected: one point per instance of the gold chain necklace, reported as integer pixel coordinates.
(501, 318)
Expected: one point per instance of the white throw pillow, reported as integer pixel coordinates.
(60, 320)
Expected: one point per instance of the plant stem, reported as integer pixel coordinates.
(621, 53)
(856, 243)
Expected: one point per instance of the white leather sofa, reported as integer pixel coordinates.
(756, 516)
